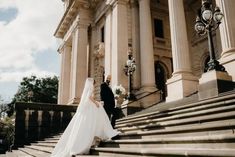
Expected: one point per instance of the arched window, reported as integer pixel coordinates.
(160, 78)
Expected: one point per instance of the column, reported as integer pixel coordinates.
(60, 78)
(64, 82)
(182, 83)
(119, 42)
(66, 74)
(136, 43)
(79, 65)
(227, 33)
(93, 42)
(108, 41)
(146, 47)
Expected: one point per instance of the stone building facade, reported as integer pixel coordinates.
(170, 56)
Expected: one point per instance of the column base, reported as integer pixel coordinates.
(180, 86)
(212, 83)
(228, 61)
(148, 89)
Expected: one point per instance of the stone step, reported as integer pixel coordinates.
(17, 153)
(157, 152)
(45, 144)
(170, 116)
(34, 153)
(221, 141)
(49, 141)
(90, 156)
(204, 128)
(40, 148)
(223, 100)
(208, 127)
(194, 120)
(52, 139)
(173, 112)
(179, 134)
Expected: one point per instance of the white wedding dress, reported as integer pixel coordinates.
(88, 122)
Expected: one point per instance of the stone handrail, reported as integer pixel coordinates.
(35, 121)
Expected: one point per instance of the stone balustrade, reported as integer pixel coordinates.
(35, 121)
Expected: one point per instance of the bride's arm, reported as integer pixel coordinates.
(94, 101)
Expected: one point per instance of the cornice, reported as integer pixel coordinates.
(70, 15)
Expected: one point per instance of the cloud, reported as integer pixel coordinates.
(16, 76)
(30, 32)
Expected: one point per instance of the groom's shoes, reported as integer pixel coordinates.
(116, 137)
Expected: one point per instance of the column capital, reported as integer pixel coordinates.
(64, 45)
(122, 2)
(134, 3)
(83, 24)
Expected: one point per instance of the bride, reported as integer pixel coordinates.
(89, 121)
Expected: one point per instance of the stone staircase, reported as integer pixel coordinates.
(204, 128)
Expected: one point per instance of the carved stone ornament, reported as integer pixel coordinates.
(99, 52)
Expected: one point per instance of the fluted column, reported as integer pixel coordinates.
(119, 42)
(146, 47)
(227, 33)
(79, 65)
(183, 82)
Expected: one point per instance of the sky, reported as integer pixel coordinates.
(27, 44)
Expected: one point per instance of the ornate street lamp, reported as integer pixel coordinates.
(129, 69)
(207, 21)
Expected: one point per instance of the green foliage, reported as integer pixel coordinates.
(7, 123)
(33, 89)
(9, 129)
(3, 108)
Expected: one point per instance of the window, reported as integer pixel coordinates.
(102, 34)
(158, 28)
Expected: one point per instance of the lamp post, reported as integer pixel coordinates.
(129, 69)
(207, 21)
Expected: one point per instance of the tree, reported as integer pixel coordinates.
(7, 122)
(2, 108)
(33, 89)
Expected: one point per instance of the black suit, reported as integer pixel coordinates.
(106, 95)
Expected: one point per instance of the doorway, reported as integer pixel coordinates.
(160, 79)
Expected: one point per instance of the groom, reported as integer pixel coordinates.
(107, 96)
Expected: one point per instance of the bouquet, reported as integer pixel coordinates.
(119, 91)
(119, 94)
